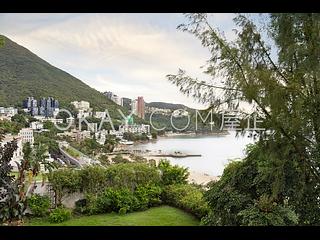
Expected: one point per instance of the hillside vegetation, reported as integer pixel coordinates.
(23, 74)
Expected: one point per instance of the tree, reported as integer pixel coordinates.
(172, 174)
(14, 190)
(9, 207)
(274, 67)
(20, 119)
(110, 143)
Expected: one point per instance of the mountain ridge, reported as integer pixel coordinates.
(24, 74)
(165, 105)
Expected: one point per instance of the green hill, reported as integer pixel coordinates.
(23, 74)
(170, 106)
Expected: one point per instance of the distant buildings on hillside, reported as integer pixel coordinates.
(113, 97)
(134, 128)
(8, 112)
(126, 103)
(81, 105)
(137, 106)
(48, 107)
(83, 108)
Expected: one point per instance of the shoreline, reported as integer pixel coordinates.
(222, 133)
(196, 177)
(201, 178)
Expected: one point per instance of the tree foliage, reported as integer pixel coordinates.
(172, 174)
(13, 193)
(275, 68)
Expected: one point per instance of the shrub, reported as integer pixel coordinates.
(187, 197)
(115, 199)
(59, 215)
(64, 181)
(119, 159)
(91, 205)
(148, 196)
(93, 179)
(131, 175)
(39, 205)
(172, 174)
(123, 211)
(80, 206)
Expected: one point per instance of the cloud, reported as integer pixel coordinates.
(129, 54)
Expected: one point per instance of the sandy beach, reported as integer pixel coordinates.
(201, 178)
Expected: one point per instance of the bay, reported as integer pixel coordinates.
(216, 150)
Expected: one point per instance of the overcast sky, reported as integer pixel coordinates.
(128, 54)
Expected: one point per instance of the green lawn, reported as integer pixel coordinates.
(158, 216)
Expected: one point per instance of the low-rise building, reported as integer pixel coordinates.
(135, 128)
(162, 111)
(26, 135)
(83, 114)
(93, 127)
(45, 119)
(70, 119)
(84, 105)
(100, 114)
(81, 135)
(36, 125)
(8, 112)
(101, 136)
(180, 113)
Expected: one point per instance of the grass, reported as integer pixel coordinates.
(157, 216)
(72, 152)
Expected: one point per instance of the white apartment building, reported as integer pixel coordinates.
(45, 119)
(134, 107)
(180, 113)
(26, 135)
(93, 127)
(84, 105)
(101, 136)
(83, 114)
(36, 125)
(55, 112)
(135, 128)
(9, 112)
(100, 114)
(163, 111)
(81, 135)
(70, 119)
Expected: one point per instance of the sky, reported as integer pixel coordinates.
(128, 54)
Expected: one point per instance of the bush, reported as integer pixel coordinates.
(131, 175)
(59, 215)
(90, 206)
(119, 159)
(187, 197)
(93, 179)
(148, 196)
(64, 181)
(172, 174)
(123, 211)
(39, 205)
(80, 206)
(115, 199)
